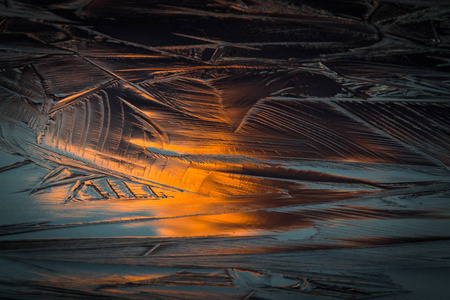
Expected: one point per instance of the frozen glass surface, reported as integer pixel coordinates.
(244, 149)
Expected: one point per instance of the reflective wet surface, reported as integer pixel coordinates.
(223, 149)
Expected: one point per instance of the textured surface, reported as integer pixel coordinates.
(224, 149)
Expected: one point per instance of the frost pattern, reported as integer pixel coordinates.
(235, 149)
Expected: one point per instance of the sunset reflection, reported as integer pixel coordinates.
(222, 149)
(232, 224)
(188, 215)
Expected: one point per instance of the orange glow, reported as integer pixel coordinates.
(187, 215)
(144, 143)
(230, 224)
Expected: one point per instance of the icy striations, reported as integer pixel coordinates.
(238, 149)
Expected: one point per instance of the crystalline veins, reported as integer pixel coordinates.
(237, 149)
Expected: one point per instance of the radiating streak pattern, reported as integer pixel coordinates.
(224, 149)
